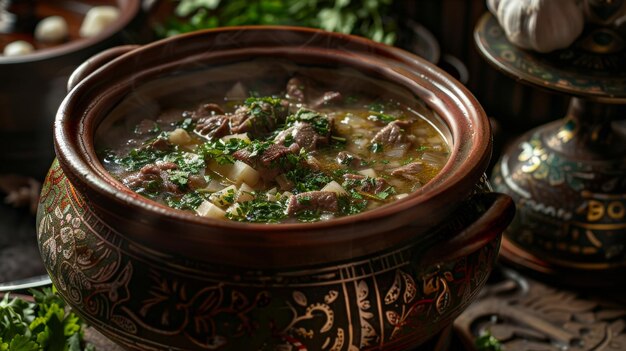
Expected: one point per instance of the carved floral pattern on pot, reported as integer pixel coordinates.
(147, 300)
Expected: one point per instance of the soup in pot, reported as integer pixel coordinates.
(301, 155)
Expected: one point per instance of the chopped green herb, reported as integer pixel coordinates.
(422, 148)
(180, 178)
(376, 147)
(138, 158)
(260, 211)
(186, 161)
(319, 121)
(221, 151)
(189, 201)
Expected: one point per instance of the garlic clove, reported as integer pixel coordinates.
(51, 29)
(18, 48)
(97, 20)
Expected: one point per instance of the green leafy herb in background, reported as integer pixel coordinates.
(43, 325)
(368, 18)
(487, 342)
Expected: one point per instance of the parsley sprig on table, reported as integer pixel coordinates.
(43, 325)
(368, 18)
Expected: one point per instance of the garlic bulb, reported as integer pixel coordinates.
(540, 25)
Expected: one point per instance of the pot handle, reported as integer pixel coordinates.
(95, 62)
(499, 213)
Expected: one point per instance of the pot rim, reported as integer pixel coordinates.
(470, 153)
(128, 11)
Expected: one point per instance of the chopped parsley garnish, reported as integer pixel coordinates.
(307, 180)
(259, 211)
(351, 205)
(138, 158)
(186, 161)
(422, 148)
(308, 216)
(319, 121)
(221, 151)
(189, 201)
(180, 178)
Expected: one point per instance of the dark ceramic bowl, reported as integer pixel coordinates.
(151, 277)
(34, 85)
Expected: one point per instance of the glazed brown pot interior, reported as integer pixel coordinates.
(90, 104)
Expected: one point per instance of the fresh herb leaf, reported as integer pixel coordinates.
(140, 157)
(43, 325)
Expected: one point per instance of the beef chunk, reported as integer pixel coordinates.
(213, 126)
(152, 177)
(327, 98)
(323, 201)
(393, 134)
(259, 118)
(303, 134)
(365, 184)
(295, 89)
(270, 163)
(409, 171)
(204, 110)
(347, 159)
(161, 145)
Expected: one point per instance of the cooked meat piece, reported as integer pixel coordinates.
(152, 175)
(161, 144)
(369, 185)
(213, 126)
(323, 201)
(259, 120)
(327, 98)
(409, 171)
(296, 88)
(269, 163)
(206, 110)
(392, 134)
(197, 181)
(303, 134)
(347, 159)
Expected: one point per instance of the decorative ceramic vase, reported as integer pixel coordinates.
(568, 178)
(150, 277)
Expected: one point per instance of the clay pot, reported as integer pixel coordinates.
(34, 85)
(150, 277)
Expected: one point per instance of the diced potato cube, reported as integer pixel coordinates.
(335, 188)
(179, 136)
(369, 172)
(271, 197)
(225, 196)
(272, 191)
(243, 136)
(245, 193)
(207, 209)
(284, 195)
(242, 173)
